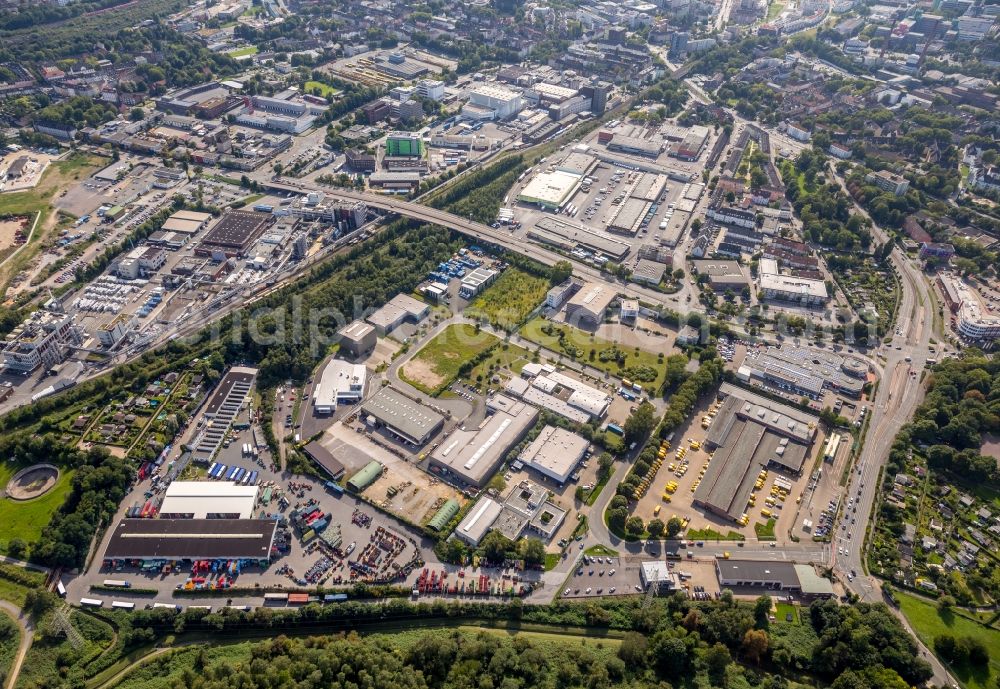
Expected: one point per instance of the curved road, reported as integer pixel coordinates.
(27, 634)
(897, 398)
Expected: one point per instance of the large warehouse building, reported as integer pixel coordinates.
(772, 574)
(403, 417)
(192, 539)
(550, 189)
(400, 309)
(472, 456)
(235, 232)
(588, 306)
(555, 453)
(806, 371)
(748, 434)
(208, 500)
(478, 521)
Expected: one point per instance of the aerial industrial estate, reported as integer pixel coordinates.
(653, 340)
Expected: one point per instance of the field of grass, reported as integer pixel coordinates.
(510, 300)
(506, 356)
(631, 362)
(774, 9)
(765, 531)
(49, 654)
(243, 52)
(325, 90)
(783, 610)
(165, 671)
(439, 362)
(710, 534)
(601, 550)
(27, 519)
(928, 622)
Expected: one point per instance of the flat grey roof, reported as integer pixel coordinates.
(732, 471)
(194, 539)
(763, 571)
(405, 416)
(474, 454)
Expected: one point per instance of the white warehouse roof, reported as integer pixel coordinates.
(555, 453)
(478, 521)
(203, 498)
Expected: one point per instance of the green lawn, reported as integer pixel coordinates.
(765, 531)
(508, 301)
(928, 623)
(506, 356)
(710, 534)
(774, 9)
(551, 560)
(783, 609)
(325, 90)
(243, 52)
(439, 362)
(27, 519)
(601, 550)
(620, 361)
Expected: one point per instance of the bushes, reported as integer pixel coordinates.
(962, 650)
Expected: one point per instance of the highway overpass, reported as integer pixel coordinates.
(475, 230)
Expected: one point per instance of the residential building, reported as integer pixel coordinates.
(888, 181)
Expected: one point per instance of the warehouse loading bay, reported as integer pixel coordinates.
(808, 495)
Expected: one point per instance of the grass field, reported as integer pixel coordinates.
(765, 530)
(27, 519)
(710, 534)
(510, 300)
(325, 90)
(928, 623)
(506, 356)
(243, 52)
(438, 363)
(783, 610)
(645, 367)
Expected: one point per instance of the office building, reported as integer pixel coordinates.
(774, 575)
(43, 339)
(340, 383)
(800, 290)
(888, 181)
(404, 144)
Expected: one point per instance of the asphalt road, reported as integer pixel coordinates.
(897, 398)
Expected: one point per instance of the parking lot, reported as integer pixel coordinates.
(686, 470)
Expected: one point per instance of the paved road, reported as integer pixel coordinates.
(27, 634)
(897, 398)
